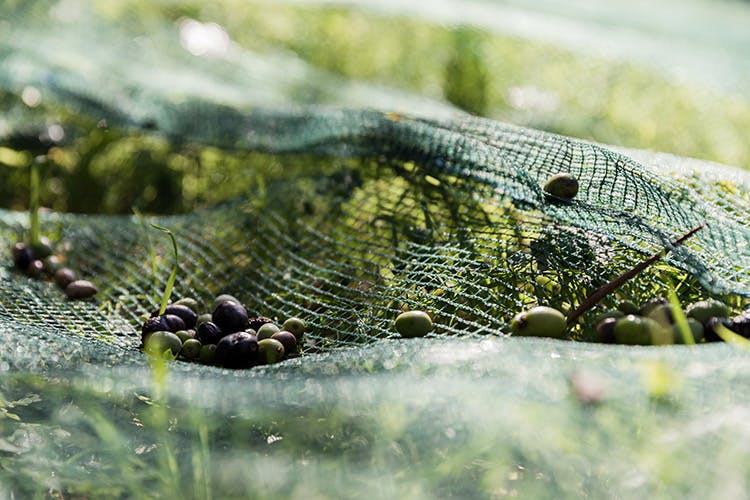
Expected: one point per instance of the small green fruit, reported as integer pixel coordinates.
(663, 314)
(191, 349)
(696, 328)
(562, 185)
(540, 321)
(637, 330)
(207, 355)
(185, 335)
(627, 307)
(706, 309)
(266, 330)
(158, 343)
(296, 326)
(617, 314)
(413, 324)
(203, 318)
(270, 351)
(189, 302)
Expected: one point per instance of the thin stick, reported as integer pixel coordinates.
(606, 289)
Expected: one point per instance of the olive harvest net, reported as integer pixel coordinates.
(344, 203)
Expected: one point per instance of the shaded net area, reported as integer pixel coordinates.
(345, 216)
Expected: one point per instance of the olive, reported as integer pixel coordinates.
(627, 307)
(696, 328)
(191, 349)
(208, 333)
(258, 321)
(637, 330)
(707, 309)
(64, 277)
(52, 264)
(157, 343)
(22, 255)
(270, 351)
(288, 340)
(412, 324)
(43, 248)
(608, 314)
(662, 314)
(709, 329)
(168, 323)
(80, 289)
(207, 354)
(35, 269)
(184, 312)
(185, 335)
(297, 327)
(605, 331)
(562, 185)
(223, 298)
(202, 319)
(539, 321)
(189, 302)
(741, 324)
(237, 350)
(265, 331)
(647, 307)
(230, 316)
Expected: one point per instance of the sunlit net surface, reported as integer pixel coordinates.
(371, 211)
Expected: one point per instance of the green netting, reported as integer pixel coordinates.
(344, 216)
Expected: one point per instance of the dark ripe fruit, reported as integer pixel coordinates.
(157, 344)
(709, 331)
(223, 298)
(411, 324)
(562, 185)
(168, 323)
(43, 249)
(627, 307)
(258, 321)
(288, 340)
(231, 317)
(209, 333)
(704, 310)
(605, 331)
(81, 289)
(741, 324)
(207, 354)
(270, 351)
(202, 319)
(189, 302)
(540, 321)
(191, 349)
(265, 331)
(297, 327)
(608, 314)
(237, 350)
(187, 315)
(64, 277)
(35, 269)
(647, 307)
(22, 255)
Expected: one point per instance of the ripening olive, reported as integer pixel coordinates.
(265, 331)
(562, 185)
(187, 315)
(615, 313)
(64, 277)
(167, 322)
(288, 340)
(296, 326)
(202, 319)
(412, 324)
(539, 321)
(191, 349)
(270, 351)
(80, 289)
(237, 350)
(189, 302)
(230, 316)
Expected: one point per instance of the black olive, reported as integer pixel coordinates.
(288, 340)
(606, 331)
(237, 350)
(257, 322)
(231, 317)
(167, 323)
(22, 255)
(43, 248)
(208, 333)
(184, 312)
(64, 277)
(80, 289)
(709, 334)
(35, 269)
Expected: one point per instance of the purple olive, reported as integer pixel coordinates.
(22, 255)
(209, 333)
(184, 312)
(167, 323)
(231, 317)
(64, 277)
(288, 340)
(237, 350)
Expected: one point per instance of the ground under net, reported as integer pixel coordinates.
(358, 214)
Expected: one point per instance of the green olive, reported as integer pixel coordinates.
(185, 335)
(696, 328)
(191, 349)
(158, 343)
(562, 185)
(266, 330)
(202, 319)
(189, 302)
(296, 326)
(627, 307)
(539, 321)
(207, 355)
(637, 330)
(413, 324)
(706, 309)
(617, 314)
(270, 351)
(663, 314)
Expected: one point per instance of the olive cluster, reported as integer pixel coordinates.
(40, 261)
(226, 337)
(651, 323)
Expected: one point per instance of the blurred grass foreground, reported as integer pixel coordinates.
(345, 160)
